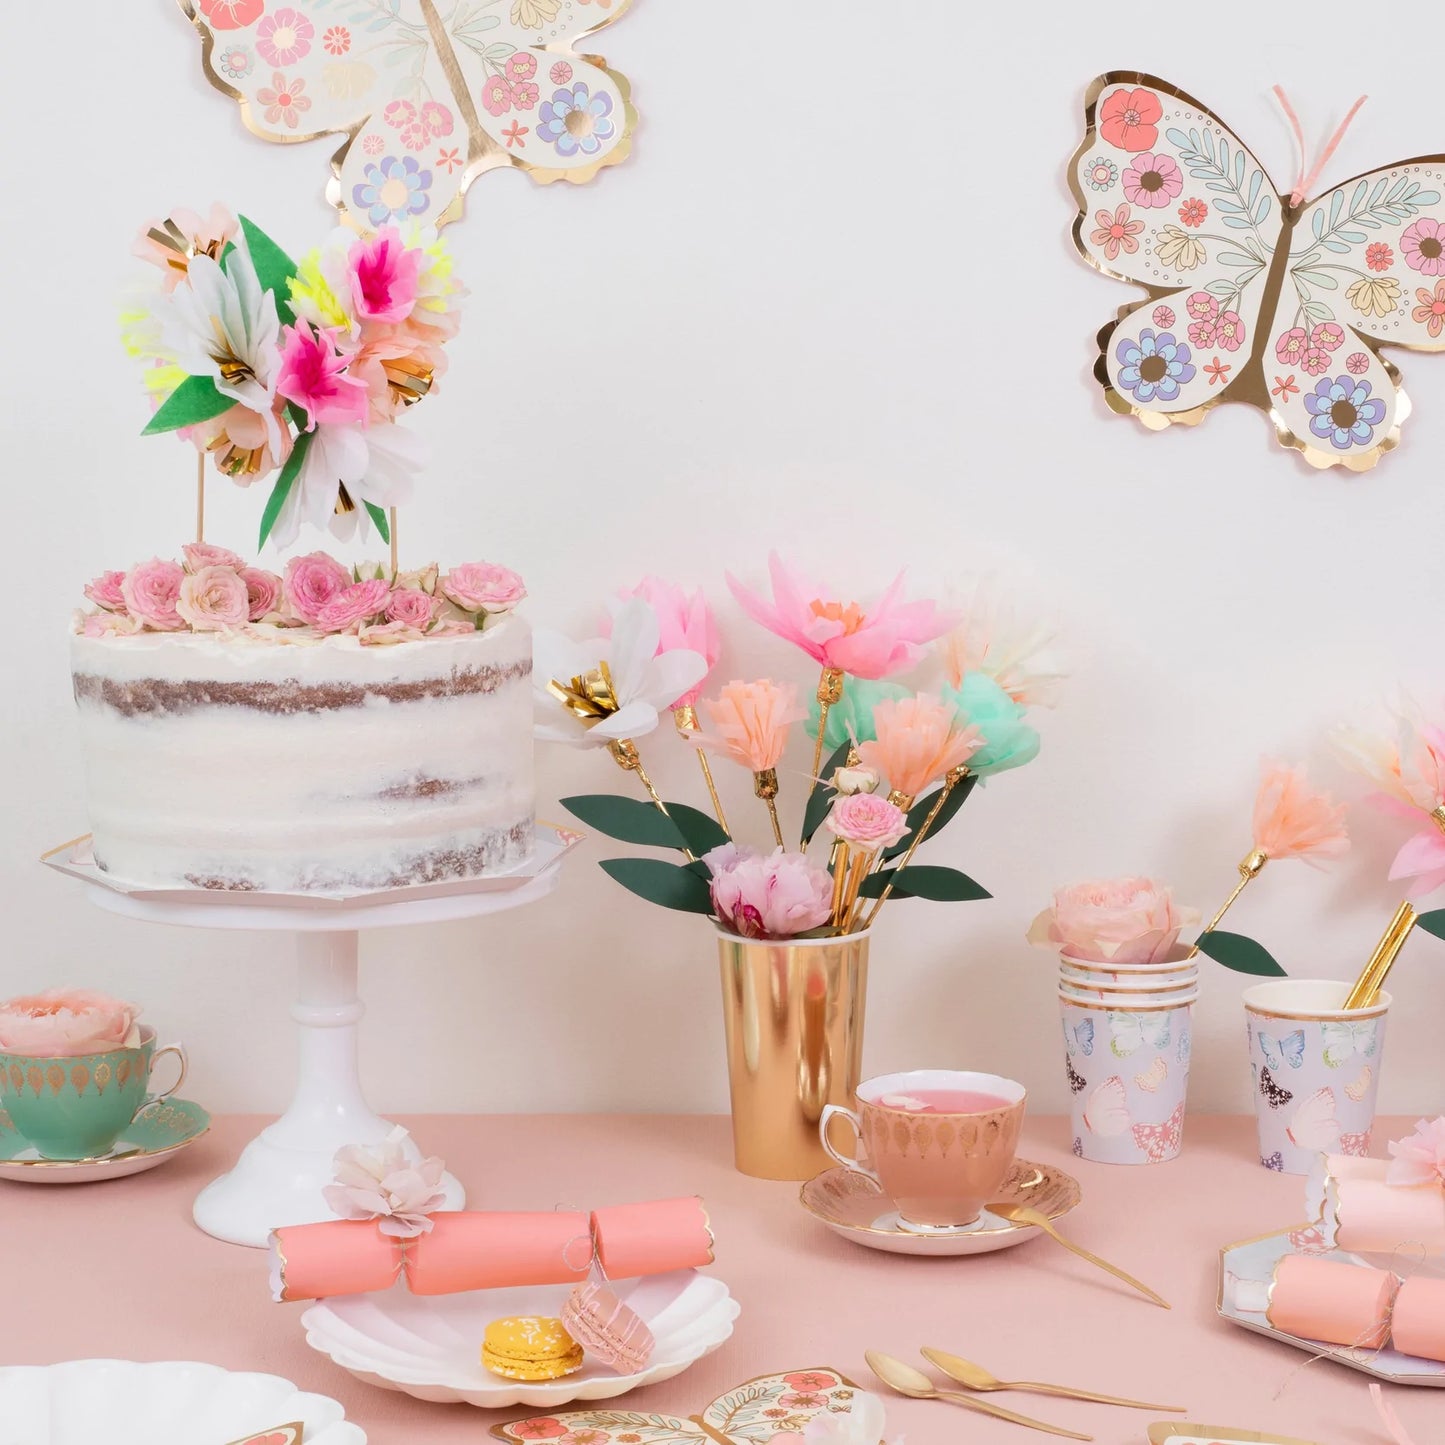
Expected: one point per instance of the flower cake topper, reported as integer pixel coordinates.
(1275, 301)
(429, 94)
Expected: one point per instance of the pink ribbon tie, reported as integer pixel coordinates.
(1305, 181)
(1387, 1413)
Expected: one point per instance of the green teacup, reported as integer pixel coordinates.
(77, 1107)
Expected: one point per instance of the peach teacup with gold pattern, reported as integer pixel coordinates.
(938, 1142)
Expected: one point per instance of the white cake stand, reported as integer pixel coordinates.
(279, 1177)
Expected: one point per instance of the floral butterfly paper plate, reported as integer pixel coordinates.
(428, 93)
(1253, 297)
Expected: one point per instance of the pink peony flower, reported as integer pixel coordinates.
(65, 1022)
(1291, 820)
(777, 896)
(920, 740)
(412, 607)
(867, 820)
(483, 587)
(263, 592)
(204, 554)
(1419, 1158)
(105, 591)
(866, 642)
(353, 605)
(150, 590)
(311, 582)
(1121, 920)
(750, 722)
(384, 272)
(383, 1184)
(214, 599)
(685, 620)
(313, 374)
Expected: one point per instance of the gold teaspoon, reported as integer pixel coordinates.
(975, 1377)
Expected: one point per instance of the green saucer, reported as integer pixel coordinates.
(151, 1139)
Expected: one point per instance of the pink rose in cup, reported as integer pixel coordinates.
(263, 592)
(204, 554)
(150, 591)
(353, 605)
(779, 895)
(868, 821)
(483, 587)
(412, 607)
(311, 582)
(213, 599)
(105, 591)
(65, 1022)
(1118, 920)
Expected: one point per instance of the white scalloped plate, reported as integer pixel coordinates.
(85, 1402)
(430, 1346)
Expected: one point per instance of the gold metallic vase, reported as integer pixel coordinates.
(794, 1016)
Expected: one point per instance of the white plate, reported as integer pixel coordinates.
(429, 1346)
(87, 1402)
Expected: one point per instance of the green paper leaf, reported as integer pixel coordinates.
(274, 268)
(921, 809)
(821, 798)
(941, 885)
(1241, 954)
(663, 883)
(378, 518)
(195, 399)
(702, 831)
(626, 819)
(1432, 922)
(279, 492)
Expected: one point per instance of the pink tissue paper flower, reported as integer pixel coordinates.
(749, 722)
(684, 620)
(313, 375)
(205, 554)
(150, 591)
(384, 273)
(66, 1022)
(779, 895)
(869, 642)
(353, 605)
(383, 1184)
(868, 820)
(920, 740)
(1419, 1158)
(1118, 920)
(311, 582)
(206, 237)
(483, 587)
(1409, 772)
(214, 599)
(1293, 820)
(105, 591)
(263, 592)
(1421, 860)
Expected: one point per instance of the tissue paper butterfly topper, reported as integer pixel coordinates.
(428, 93)
(1280, 303)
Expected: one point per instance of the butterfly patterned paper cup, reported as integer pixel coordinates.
(1315, 1067)
(1128, 1073)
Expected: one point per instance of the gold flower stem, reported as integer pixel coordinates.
(765, 785)
(685, 718)
(1437, 816)
(200, 496)
(1249, 868)
(951, 781)
(625, 755)
(838, 866)
(391, 519)
(830, 690)
(862, 866)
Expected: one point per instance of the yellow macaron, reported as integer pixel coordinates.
(530, 1347)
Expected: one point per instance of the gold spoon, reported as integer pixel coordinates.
(975, 1377)
(1022, 1214)
(917, 1386)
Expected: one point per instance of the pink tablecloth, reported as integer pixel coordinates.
(118, 1269)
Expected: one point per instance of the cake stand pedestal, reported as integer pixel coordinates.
(280, 1175)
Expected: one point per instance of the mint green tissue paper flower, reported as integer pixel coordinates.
(1009, 741)
(852, 716)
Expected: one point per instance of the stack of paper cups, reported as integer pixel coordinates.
(1127, 1045)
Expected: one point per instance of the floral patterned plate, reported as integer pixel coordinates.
(159, 1134)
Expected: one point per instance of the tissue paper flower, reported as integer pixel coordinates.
(920, 740)
(750, 722)
(779, 895)
(640, 680)
(1421, 860)
(1409, 772)
(850, 719)
(1008, 741)
(867, 820)
(1119, 920)
(684, 621)
(1419, 1158)
(867, 642)
(1016, 655)
(383, 1184)
(171, 244)
(67, 1022)
(1291, 820)
(313, 374)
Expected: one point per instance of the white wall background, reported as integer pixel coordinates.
(829, 305)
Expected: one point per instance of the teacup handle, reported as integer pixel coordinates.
(837, 1111)
(151, 1100)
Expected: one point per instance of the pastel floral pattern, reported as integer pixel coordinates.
(1100, 173)
(1379, 256)
(1163, 316)
(1155, 366)
(1343, 412)
(232, 14)
(1357, 363)
(1422, 244)
(1430, 313)
(1292, 345)
(1193, 211)
(1129, 119)
(496, 95)
(1152, 180)
(337, 40)
(1116, 232)
(284, 36)
(284, 100)
(395, 187)
(560, 73)
(1374, 295)
(235, 61)
(576, 120)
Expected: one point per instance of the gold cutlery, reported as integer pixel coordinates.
(1022, 1214)
(975, 1377)
(916, 1385)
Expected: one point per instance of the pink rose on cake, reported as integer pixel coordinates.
(204, 554)
(62, 1023)
(1119, 920)
(105, 591)
(867, 820)
(354, 605)
(483, 587)
(311, 582)
(412, 607)
(150, 591)
(213, 599)
(264, 599)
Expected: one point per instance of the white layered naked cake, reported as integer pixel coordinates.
(231, 762)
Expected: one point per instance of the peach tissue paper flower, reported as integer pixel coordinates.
(1293, 820)
(874, 641)
(1015, 654)
(1419, 1158)
(383, 1184)
(867, 821)
(1115, 920)
(67, 1022)
(750, 722)
(684, 620)
(920, 740)
(775, 895)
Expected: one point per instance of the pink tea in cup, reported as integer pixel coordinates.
(944, 1101)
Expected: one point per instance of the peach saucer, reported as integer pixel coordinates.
(853, 1206)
